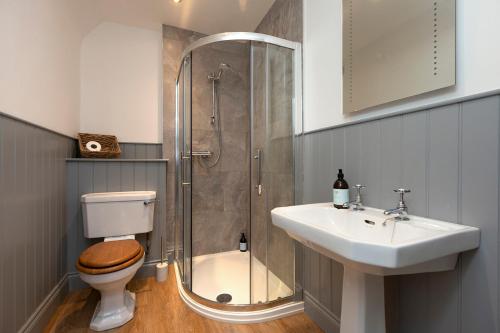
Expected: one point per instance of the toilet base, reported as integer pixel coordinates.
(117, 303)
(103, 320)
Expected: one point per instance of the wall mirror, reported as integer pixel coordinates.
(395, 49)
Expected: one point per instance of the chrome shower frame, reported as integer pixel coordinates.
(297, 124)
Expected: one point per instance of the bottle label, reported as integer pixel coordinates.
(243, 247)
(340, 196)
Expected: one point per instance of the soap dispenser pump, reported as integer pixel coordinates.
(340, 192)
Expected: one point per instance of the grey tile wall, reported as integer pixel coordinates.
(32, 218)
(118, 175)
(449, 157)
(220, 194)
(175, 40)
(283, 20)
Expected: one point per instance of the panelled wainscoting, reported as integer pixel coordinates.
(40, 221)
(148, 151)
(32, 223)
(449, 158)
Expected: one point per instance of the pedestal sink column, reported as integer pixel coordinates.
(363, 304)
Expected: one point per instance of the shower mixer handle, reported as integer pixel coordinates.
(215, 102)
(184, 157)
(258, 157)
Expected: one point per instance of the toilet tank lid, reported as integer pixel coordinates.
(118, 196)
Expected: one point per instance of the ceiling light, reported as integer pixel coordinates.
(177, 1)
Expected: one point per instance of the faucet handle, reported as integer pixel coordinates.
(358, 188)
(358, 205)
(402, 192)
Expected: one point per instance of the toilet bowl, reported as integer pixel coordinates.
(111, 266)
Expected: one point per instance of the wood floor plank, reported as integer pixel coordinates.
(160, 309)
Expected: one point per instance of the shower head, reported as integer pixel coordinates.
(222, 67)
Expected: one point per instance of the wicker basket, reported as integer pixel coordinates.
(109, 146)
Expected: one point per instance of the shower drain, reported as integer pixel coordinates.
(224, 298)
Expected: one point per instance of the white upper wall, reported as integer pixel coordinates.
(39, 63)
(477, 66)
(40, 59)
(121, 83)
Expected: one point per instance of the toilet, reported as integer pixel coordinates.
(109, 265)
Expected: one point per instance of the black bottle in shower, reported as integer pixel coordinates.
(243, 243)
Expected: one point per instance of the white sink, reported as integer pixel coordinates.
(370, 249)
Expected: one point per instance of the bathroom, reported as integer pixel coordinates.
(228, 122)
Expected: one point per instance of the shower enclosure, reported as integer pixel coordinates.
(238, 126)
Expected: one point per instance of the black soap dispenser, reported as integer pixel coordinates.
(243, 243)
(340, 192)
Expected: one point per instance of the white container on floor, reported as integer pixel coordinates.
(162, 272)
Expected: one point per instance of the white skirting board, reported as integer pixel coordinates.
(39, 319)
(238, 317)
(321, 315)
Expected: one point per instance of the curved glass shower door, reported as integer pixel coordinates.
(272, 259)
(238, 120)
(183, 171)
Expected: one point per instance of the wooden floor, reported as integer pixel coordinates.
(160, 309)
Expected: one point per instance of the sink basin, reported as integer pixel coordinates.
(371, 245)
(362, 240)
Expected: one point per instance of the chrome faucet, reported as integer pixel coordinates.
(401, 209)
(358, 204)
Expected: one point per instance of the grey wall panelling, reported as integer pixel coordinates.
(32, 218)
(148, 151)
(449, 157)
(119, 175)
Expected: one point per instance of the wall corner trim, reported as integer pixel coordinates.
(27, 122)
(41, 316)
(404, 110)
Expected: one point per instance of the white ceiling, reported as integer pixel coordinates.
(205, 16)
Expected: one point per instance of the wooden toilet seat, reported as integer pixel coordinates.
(108, 257)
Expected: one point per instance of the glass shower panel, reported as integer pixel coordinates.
(278, 167)
(258, 258)
(272, 264)
(234, 164)
(220, 170)
(179, 127)
(184, 151)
